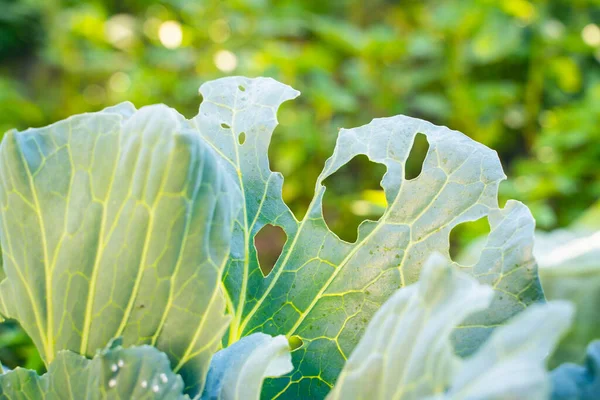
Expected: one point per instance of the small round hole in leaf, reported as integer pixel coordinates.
(243, 89)
(295, 342)
(242, 138)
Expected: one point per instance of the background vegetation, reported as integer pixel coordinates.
(521, 76)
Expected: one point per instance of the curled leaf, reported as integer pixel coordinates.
(512, 362)
(406, 351)
(238, 371)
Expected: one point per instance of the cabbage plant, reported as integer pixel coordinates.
(128, 249)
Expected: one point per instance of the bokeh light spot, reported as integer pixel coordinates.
(119, 82)
(151, 27)
(225, 60)
(591, 35)
(119, 30)
(553, 29)
(515, 118)
(219, 31)
(170, 34)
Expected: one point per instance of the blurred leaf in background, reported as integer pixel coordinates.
(521, 76)
(569, 268)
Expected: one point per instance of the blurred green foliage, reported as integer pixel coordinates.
(520, 76)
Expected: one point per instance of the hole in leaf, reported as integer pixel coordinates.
(418, 152)
(467, 240)
(242, 138)
(295, 342)
(269, 242)
(243, 89)
(353, 194)
(298, 154)
(225, 126)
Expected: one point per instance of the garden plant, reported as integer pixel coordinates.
(129, 255)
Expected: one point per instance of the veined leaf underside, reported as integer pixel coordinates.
(116, 223)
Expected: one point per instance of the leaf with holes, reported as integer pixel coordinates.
(117, 223)
(323, 289)
(142, 224)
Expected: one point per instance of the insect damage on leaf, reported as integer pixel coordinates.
(323, 289)
(142, 224)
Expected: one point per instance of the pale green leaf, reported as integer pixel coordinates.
(570, 270)
(512, 362)
(324, 289)
(238, 372)
(117, 223)
(406, 351)
(114, 373)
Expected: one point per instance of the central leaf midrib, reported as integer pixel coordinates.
(188, 218)
(100, 248)
(151, 216)
(235, 332)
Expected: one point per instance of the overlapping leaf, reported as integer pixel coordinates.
(406, 352)
(324, 289)
(114, 373)
(116, 223)
(238, 371)
(512, 362)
